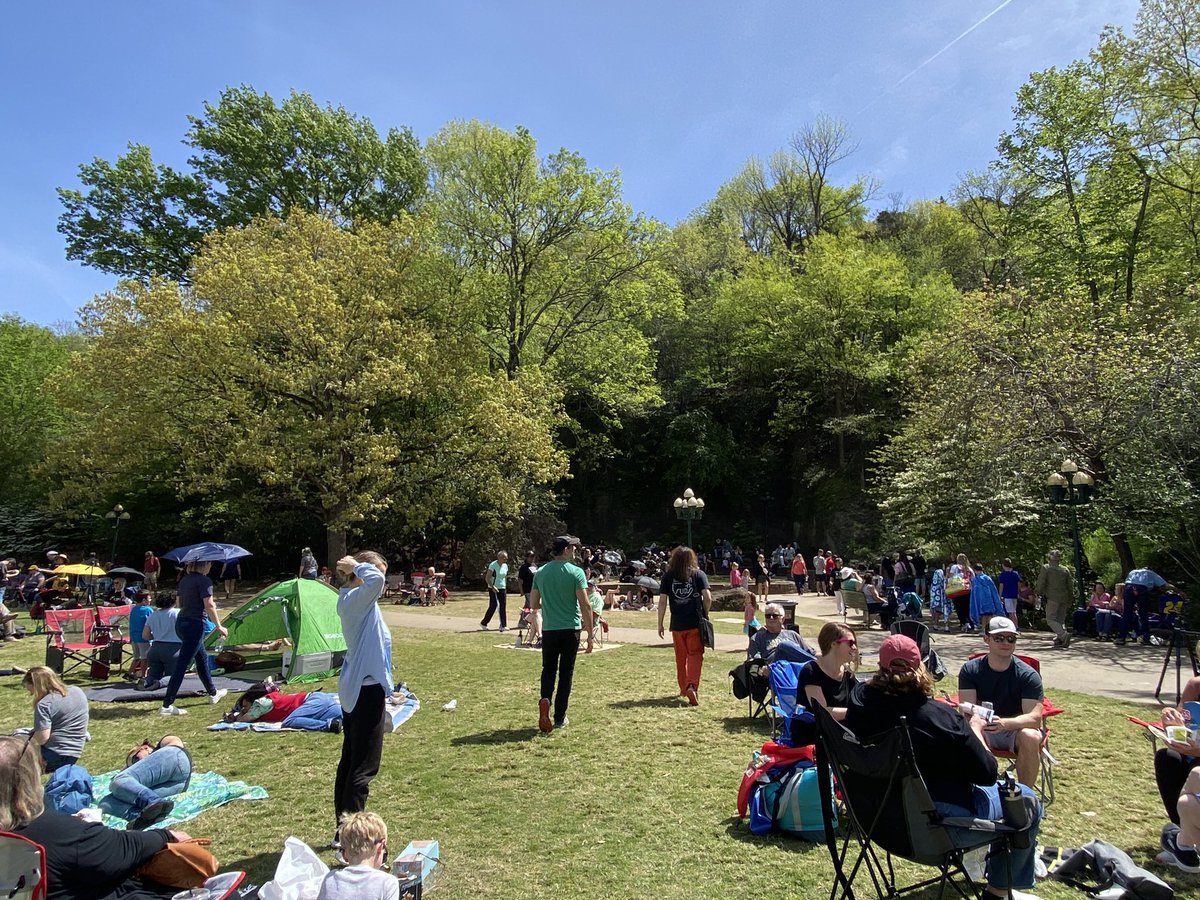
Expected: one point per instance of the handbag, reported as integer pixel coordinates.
(708, 636)
(182, 864)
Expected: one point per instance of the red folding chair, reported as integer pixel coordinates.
(112, 628)
(72, 642)
(1047, 762)
(22, 868)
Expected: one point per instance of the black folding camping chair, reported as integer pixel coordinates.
(888, 814)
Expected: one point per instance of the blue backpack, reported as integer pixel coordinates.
(69, 790)
(789, 802)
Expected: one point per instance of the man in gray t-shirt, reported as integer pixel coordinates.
(60, 725)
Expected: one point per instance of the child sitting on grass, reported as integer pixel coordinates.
(364, 849)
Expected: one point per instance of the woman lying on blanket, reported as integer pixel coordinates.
(316, 711)
(152, 773)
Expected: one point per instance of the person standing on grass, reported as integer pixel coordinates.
(560, 591)
(195, 602)
(497, 585)
(685, 587)
(365, 681)
(150, 567)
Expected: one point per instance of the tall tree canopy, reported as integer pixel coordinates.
(252, 157)
(300, 366)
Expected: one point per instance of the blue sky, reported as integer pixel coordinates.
(676, 95)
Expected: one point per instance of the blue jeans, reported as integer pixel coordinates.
(315, 713)
(163, 773)
(191, 635)
(54, 762)
(1019, 859)
(163, 657)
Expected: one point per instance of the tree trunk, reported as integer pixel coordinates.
(335, 543)
(1124, 553)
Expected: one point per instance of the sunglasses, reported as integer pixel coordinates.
(851, 641)
(1004, 638)
(774, 615)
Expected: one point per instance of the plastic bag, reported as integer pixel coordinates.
(298, 875)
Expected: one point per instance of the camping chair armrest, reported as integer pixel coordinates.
(973, 824)
(56, 635)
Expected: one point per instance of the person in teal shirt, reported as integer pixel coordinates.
(497, 585)
(560, 591)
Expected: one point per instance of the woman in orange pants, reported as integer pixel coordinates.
(685, 588)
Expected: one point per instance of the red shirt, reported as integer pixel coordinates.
(285, 705)
(798, 566)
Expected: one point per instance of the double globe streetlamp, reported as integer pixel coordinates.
(116, 515)
(689, 507)
(1073, 487)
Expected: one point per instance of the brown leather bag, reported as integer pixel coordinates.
(183, 864)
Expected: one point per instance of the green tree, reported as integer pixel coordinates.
(252, 157)
(299, 367)
(549, 269)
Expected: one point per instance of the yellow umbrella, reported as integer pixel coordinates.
(79, 569)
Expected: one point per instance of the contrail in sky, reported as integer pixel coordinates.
(951, 44)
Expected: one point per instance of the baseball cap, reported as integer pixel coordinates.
(899, 652)
(562, 542)
(1001, 625)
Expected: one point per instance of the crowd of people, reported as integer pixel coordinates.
(1000, 696)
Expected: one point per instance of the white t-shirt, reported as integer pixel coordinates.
(359, 882)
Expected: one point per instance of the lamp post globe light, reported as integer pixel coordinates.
(116, 515)
(689, 507)
(1073, 487)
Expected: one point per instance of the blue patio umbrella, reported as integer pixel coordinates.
(1145, 577)
(208, 551)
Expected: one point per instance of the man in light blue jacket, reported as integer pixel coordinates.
(365, 681)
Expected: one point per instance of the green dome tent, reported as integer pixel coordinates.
(302, 610)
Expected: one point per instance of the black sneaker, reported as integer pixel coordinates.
(153, 813)
(1186, 859)
(335, 725)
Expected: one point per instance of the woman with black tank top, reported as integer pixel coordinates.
(829, 679)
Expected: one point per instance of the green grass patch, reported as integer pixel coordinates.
(634, 798)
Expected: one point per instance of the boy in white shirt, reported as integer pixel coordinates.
(364, 848)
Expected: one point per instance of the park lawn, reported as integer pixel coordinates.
(635, 798)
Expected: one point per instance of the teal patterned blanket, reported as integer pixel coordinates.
(206, 791)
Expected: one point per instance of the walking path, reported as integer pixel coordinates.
(1128, 673)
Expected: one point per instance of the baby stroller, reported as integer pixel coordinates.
(911, 628)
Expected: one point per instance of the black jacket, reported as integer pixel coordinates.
(949, 756)
(87, 861)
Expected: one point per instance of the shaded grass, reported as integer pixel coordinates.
(635, 798)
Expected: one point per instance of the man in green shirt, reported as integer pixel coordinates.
(1054, 584)
(560, 592)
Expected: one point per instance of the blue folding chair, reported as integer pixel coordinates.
(786, 705)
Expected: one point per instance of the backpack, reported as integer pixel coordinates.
(789, 802)
(69, 790)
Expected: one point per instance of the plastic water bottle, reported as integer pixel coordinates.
(984, 710)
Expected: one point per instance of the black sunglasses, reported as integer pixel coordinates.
(774, 615)
(1005, 638)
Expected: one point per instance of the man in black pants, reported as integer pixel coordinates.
(365, 681)
(560, 591)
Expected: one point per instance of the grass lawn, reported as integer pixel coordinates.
(634, 799)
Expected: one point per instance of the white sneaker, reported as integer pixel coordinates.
(172, 710)
(216, 698)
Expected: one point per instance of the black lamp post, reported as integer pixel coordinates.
(116, 515)
(689, 507)
(1073, 487)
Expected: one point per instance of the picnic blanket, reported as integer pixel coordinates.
(126, 693)
(400, 708)
(206, 791)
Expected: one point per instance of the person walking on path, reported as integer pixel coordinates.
(230, 575)
(365, 681)
(150, 568)
(799, 572)
(195, 602)
(560, 592)
(1054, 584)
(497, 585)
(985, 598)
(684, 587)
